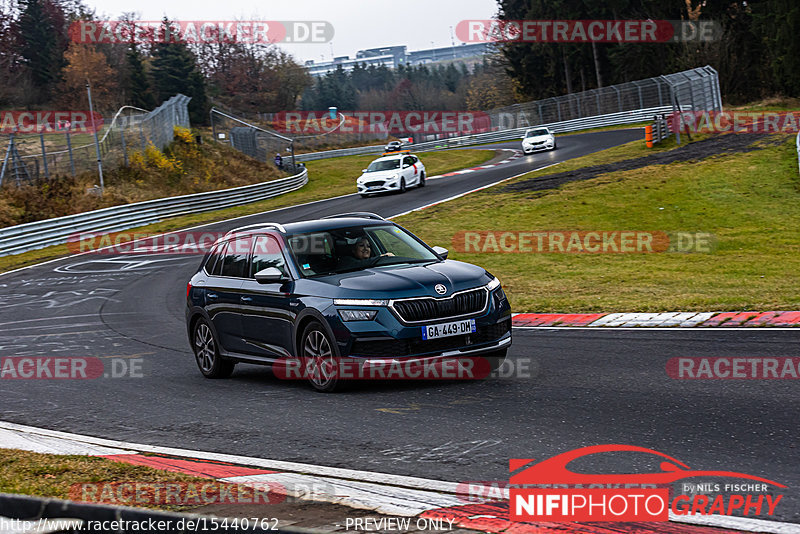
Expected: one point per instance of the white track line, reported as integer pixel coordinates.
(386, 493)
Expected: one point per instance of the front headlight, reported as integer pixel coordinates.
(360, 302)
(357, 315)
(494, 284)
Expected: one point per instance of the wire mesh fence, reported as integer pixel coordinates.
(692, 90)
(28, 157)
(264, 142)
(695, 89)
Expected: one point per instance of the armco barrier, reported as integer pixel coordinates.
(40, 234)
(612, 119)
(35, 510)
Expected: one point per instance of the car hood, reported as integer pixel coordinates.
(537, 139)
(378, 175)
(402, 281)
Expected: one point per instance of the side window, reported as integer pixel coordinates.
(234, 263)
(414, 159)
(407, 161)
(214, 263)
(267, 253)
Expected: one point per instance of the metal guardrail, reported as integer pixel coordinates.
(40, 234)
(612, 119)
(657, 131)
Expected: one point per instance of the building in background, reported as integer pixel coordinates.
(394, 56)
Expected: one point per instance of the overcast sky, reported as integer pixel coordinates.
(358, 24)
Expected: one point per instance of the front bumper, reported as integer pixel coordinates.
(389, 185)
(387, 336)
(547, 145)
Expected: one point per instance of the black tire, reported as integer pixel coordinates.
(555, 145)
(364, 195)
(318, 358)
(422, 179)
(206, 352)
(402, 185)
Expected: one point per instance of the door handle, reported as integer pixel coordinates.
(247, 299)
(212, 296)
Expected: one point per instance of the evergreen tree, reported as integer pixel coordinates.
(41, 30)
(175, 71)
(138, 87)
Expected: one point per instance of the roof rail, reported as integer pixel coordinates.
(275, 225)
(356, 214)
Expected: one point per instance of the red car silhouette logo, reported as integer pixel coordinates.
(554, 470)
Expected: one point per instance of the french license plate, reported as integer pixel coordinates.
(433, 331)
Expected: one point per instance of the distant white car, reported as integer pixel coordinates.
(392, 172)
(538, 139)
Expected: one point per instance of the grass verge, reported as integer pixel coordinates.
(747, 200)
(53, 475)
(327, 178)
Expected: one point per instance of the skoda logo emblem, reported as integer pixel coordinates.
(440, 289)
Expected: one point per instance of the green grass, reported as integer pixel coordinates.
(749, 201)
(327, 178)
(52, 475)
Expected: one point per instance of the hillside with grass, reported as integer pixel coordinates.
(183, 167)
(741, 189)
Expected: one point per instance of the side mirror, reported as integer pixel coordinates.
(363, 171)
(270, 275)
(406, 165)
(442, 252)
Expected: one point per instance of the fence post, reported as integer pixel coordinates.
(69, 151)
(124, 148)
(5, 159)
(44, 157)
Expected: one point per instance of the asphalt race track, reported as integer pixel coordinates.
(572, 388)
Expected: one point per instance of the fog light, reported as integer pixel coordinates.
(357, 315)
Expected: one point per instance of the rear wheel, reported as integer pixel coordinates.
(422, 179)
(318, 358)
(206, 352)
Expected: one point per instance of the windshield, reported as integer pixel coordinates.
(536, 133)
(355, 248)
(384, 165)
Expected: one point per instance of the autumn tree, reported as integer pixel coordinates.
(85, 63)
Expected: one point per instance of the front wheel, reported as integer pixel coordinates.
(364, 195)
(206, 352)
(402, 185)
(318, 358)
(422, 180)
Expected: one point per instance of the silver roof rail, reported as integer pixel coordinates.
(275, 225)
(356, 214)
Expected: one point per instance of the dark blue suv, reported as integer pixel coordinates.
(351, 287)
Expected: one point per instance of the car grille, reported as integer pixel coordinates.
(373, 184)
(429, 309)
(393, 348)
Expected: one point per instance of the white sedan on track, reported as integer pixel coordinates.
(538, 139)
(391, 172)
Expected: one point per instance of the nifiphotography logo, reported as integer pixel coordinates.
(549, 491)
